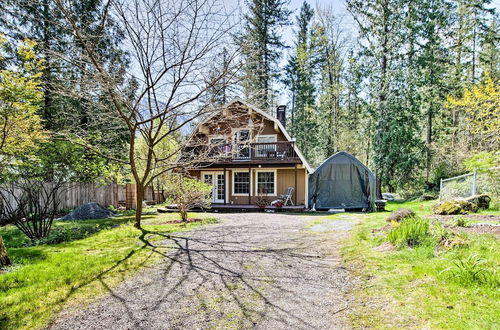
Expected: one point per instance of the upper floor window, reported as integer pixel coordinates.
(242, 135)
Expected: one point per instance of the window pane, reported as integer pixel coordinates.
(241, 183)
(244, 135)
(265, 183)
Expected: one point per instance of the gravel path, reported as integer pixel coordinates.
(251, 270)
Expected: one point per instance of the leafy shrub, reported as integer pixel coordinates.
(400, 214)
(472, 271)
(460, 221)
(67, 234)
(410, 232)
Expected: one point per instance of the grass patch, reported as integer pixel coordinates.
(427, 285)
(57, 273)
(410, 232)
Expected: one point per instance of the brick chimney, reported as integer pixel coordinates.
(281, 114)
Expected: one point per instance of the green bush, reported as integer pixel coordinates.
(471, 272)
(67, 234)
(460, 221)
(410, 232)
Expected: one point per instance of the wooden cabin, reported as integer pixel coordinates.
(248, 157)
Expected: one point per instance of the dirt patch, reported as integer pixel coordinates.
(480, 217)
(385, 228)
(180, 221)
(481, 228)
(385, 247)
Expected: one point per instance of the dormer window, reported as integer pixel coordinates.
(241, 139)
(242, 136)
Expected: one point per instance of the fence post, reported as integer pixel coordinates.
(474, 183)
(440, 187)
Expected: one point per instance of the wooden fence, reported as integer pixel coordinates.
(73, 195)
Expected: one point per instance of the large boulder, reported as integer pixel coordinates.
(400, 214)
(89, 211)
(482, 201)
(459, 206)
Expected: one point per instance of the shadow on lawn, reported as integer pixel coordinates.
(214, 274)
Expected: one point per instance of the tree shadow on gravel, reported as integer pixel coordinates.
(221, 277)
(235, 283)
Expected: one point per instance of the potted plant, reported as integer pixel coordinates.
(261, 202)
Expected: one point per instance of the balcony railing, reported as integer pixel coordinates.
(264, 151)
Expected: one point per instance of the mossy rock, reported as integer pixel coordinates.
(459, 206)
(400, 214)
(482, 201)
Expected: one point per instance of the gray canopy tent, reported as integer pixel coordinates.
(342, 181)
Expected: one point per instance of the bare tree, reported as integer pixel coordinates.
(31, 204)
(171, 45)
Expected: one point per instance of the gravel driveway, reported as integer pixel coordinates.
(251, 270)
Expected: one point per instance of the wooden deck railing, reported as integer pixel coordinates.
(263, 151)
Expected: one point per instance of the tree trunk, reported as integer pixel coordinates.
(184, 215)
(139, 197)
(4, 258)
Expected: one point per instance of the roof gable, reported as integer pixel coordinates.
(263, 114)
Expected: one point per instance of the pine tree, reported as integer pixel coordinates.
(431, 63)
(301, 73)
(332, 47)
(65, 112)
(261, 46)
(489, 58)
(396, 143)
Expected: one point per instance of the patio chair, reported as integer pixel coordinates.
(287, 196)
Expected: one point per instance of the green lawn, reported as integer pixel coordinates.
(97, 255)
(411, 287)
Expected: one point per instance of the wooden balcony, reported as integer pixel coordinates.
(245, 153)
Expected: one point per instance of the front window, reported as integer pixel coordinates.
(266, 183)
(241, 183)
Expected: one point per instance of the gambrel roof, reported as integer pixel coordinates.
(265, 115)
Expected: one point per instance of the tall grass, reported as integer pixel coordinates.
(410, 232)
(472, 271)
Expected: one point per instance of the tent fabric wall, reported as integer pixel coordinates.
(342, 181)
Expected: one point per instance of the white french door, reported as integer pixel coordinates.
(217, 181)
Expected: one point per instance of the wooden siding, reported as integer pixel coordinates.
(285, 178)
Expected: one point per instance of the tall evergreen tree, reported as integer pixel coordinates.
(396, 156)
(301, 73)
(261, 46)
(332, 49)
(489, 58)
(430, 66)
(64, 110)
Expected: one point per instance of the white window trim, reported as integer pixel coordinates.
(211, 137)
(237, 130)
(275, 182)
(275, 136)
(251, 186)
(213, 172)
(257, 151)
